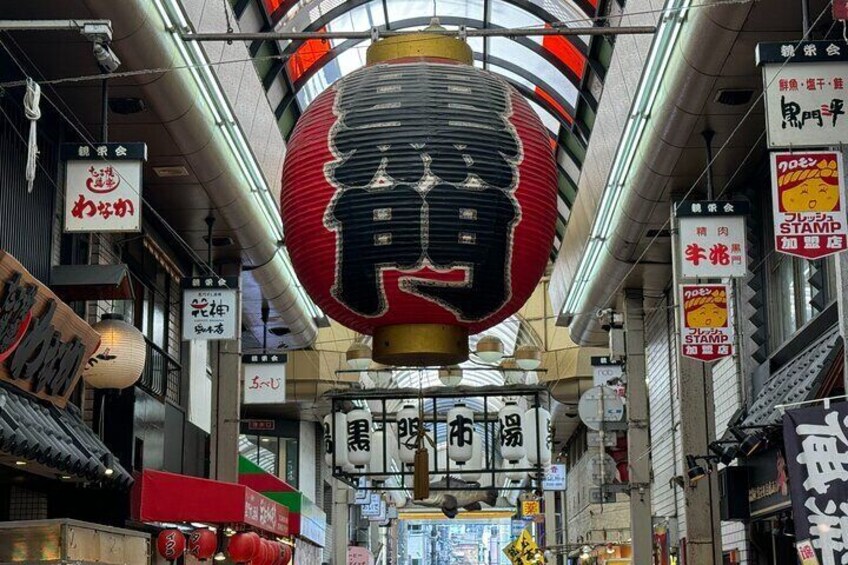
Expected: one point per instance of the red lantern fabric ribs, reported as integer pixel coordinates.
(419, 192)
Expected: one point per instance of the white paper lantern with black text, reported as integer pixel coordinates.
(474, 465)
(119, 361)
(330, 442)
(538, 435)
(511, 432)
(512, 470)
(378, 463)
(407, 432)
(460, 434)
(359, 437)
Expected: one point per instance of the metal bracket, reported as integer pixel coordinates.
(97, 31)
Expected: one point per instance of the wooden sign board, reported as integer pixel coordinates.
(44, 345)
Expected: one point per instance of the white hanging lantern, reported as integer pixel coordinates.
(436, 456)
(451, 376)
(376, 464)
(407, 433)
(538, 435)
(359, 437)
(511, 432)
(330, 442)
(119, 361)
(475, 464)
(528, 357)
(460, 434)
(489, 349)
(358, 356)
(513, 474)
(381, 375)
(513, 374)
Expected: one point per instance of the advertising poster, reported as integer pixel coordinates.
(706, 327)
(809, 204)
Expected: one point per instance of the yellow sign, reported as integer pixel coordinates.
(530, 508)
(523, 551)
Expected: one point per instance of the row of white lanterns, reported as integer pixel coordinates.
(524, 437)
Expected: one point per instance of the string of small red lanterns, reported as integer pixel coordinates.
(244, 547)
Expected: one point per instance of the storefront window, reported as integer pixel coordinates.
(792, 294)
(275, 455)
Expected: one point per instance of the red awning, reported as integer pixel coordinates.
(168, 497)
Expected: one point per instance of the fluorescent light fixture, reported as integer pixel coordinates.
(668, 31)
(213, 96)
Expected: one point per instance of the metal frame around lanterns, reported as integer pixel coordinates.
(538, 394)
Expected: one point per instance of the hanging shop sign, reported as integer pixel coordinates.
(261, 425)
(264, 378)
(523, 550)
(595, 439)
(605, 370)
(817, 455)
(805, 93)
(808, 200)
(210, 308)
(554, 477)
(705, 324)
(103, 186)
(375, 509)
(711, 239)
(43, 343)
(768, 482)
(409, 216)
(806, 553)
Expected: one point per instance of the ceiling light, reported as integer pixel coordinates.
(694, 471)
(665, 38)
(171, 171)
(489, 349)
(748, 443)
(220, 556)
(358, 356)
(528, 357)
(20, 463)
(451, 376)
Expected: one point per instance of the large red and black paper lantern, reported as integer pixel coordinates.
(203, 544)
(171, 544)
(419, 200)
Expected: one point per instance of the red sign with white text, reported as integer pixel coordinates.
(808, 203)
(706, 328)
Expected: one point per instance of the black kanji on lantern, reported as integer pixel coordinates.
(425, 172)
(408, 431)
(461, 430)
(357, 435)
(511, 433)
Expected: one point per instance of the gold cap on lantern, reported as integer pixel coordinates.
(427, 43)
(420, 345)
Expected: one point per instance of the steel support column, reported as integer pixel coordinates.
(638, 441)
(226, 404)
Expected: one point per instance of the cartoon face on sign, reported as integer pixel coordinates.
(814, 189)
(709, 311)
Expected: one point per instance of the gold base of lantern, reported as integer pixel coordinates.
(421, 44)
(420, 345)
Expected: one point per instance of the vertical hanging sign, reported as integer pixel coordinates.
(712, 239)
(706, 328)
(805, 92)
(210, 308)
(816, 441)
(264, 378)
(808, 199)
(103, 186)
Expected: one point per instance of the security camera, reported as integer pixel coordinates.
(610, 319)
(106, 58)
